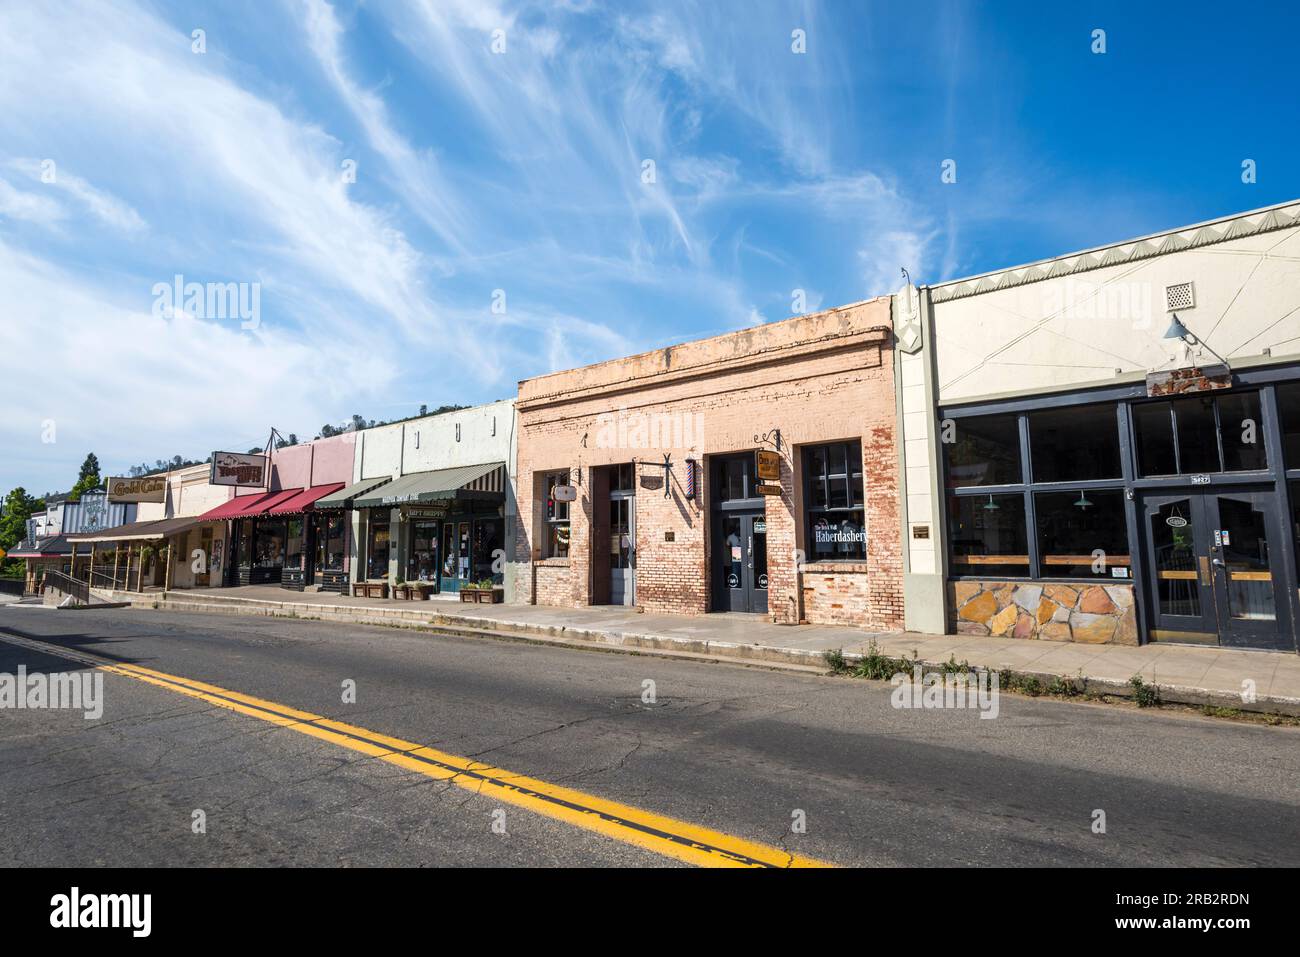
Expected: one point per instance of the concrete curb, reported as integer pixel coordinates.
(697, 649)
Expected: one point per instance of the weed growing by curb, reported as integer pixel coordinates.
(1144, 695)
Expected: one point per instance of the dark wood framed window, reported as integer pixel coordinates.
(1037, 494)
(555, 517)
(835, 526)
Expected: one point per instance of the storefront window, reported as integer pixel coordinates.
(983, 450)
(1199, 434)
(1082, 534)
(1074, 443)
(488, 540)
(835, 520)
(987, 535)
(422, 558)
(246, 542)
(268, 543)
(555, 533)
(335, 532)
(293, 543)
(377, 553)
(1288, 407)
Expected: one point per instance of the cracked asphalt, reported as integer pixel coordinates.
(737, 749)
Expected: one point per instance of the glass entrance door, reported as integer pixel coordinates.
(622, 549)
(741, 567)
(1245, 551)
(1212, 569)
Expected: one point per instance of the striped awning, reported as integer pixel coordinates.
(246, 506)
(304, 500)
(344, 496)
(466, 483)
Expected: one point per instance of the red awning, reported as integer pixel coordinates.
(304, 498)
(246, 506)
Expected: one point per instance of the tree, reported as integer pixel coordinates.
(17, 509)
(87, 479)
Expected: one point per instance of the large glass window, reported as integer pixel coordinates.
(1241, 432)
(293, 543)
(835, 526)
(269, 543)
(1200, 433)
(1288, 407)
(1074, 443)
(335, 532)
(984, 450)
(488, 540)
(987, 535)
(1082, 534)
(555, 531)
(422, 558)
(377, 553)
(246, 542)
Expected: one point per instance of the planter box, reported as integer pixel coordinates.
(402, 592)
(488, 596)
(376, 589)
(421, 594)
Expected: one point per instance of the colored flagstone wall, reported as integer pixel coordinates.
(1091, 613)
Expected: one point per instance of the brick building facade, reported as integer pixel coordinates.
(670, 513)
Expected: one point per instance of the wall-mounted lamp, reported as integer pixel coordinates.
(1179, 331)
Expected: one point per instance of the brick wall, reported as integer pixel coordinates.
(820, 378)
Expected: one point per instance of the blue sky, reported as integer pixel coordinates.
(522, 171)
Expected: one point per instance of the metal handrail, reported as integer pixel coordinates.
(68, 585)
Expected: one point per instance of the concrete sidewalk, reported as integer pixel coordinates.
(1184, 673)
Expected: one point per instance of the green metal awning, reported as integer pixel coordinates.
(344, 496)
(468, 482)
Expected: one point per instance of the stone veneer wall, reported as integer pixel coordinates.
(1086, 612)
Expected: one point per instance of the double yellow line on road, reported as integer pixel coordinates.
(655, 832)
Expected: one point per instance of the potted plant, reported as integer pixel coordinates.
(421, 590)
(484, 591)
(401, 591)
(376, 589)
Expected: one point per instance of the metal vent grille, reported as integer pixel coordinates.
(1179, 296)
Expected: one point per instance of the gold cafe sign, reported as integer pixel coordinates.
(151, 488)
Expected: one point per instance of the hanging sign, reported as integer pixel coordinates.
(1176, 521)
(765, 489)
(768, 465)
(565, 493)
(236, 468)
(1196, 379)
(152, 488)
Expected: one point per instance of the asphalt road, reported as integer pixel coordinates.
(739, 750)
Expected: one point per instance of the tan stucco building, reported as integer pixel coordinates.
(1105, 446)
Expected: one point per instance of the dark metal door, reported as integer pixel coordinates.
(1247, 571)
(741, 568)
